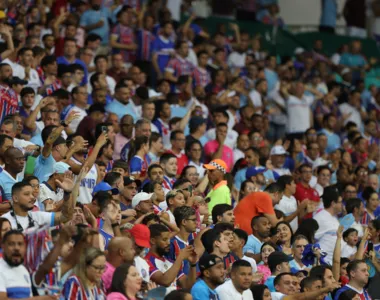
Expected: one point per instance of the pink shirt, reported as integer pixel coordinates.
(116, 296)
(107, 276)
(120, 141)
(228, 155)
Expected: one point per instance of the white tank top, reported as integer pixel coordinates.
(87, 185)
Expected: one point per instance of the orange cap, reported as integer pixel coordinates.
(217, 164)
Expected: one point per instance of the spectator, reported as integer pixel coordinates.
(256, 204)
(357, 272)
(120, 252)
(238, 286)
(126, 282)
(220, 193)
(278, 263)
(171, 273)
(328, 222)
(15, 279)
(86, 278)
(212, 275)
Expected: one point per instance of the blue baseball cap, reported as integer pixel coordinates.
(104, 187)
(253, 171)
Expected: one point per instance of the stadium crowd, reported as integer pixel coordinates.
(145, 158)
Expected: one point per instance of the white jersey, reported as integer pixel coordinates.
(14, 281)
(46, 193)
(38, 218)
(87, 184)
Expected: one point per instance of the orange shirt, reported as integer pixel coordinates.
(250, 206)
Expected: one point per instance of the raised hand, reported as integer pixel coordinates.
(102, 139)
(67, 184)
(66, 233)
(72, 116)
(90, 218)
(339, 233)
(186, 252)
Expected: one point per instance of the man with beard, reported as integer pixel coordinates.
(14, 164)
(238, 286)
(212, 275)
(223, 213)
(220, 193)
(79, 161)
(357, 271)
(15, 280)
(168, 163)
(260, 233)
(9, 100)
(22, 217)
(186, 221)
(163, 271)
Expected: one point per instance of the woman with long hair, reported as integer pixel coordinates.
(138, 158)
(86, 281)
(126, 283)
(266, 249)
(285, 234)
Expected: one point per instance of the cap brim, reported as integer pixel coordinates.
(209, 167)
(142, 243)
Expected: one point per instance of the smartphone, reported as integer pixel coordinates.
(370, 247)
(105, 129)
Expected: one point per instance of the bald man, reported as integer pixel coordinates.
(120, 250)
(14, 164)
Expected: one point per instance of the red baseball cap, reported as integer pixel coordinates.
(141, 235)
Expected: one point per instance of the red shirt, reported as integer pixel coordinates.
(306, 192)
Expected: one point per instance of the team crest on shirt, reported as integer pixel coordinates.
(143, 273)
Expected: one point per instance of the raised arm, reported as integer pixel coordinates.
(67, 185)
(337, 254)
(30, 122)
(7, 36)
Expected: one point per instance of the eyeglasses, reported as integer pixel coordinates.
(98, 268)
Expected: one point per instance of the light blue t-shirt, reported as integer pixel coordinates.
(44, 167)
(253, 245)
(270, 283)
(201, 291)
(333, 140)
(121, 109)
(7, 182)
(91, 17)
(37, 140)
(272, 79)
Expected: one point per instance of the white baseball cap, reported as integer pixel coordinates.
(278, 150)
(139, 197)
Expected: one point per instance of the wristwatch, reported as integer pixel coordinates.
(63, 123)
